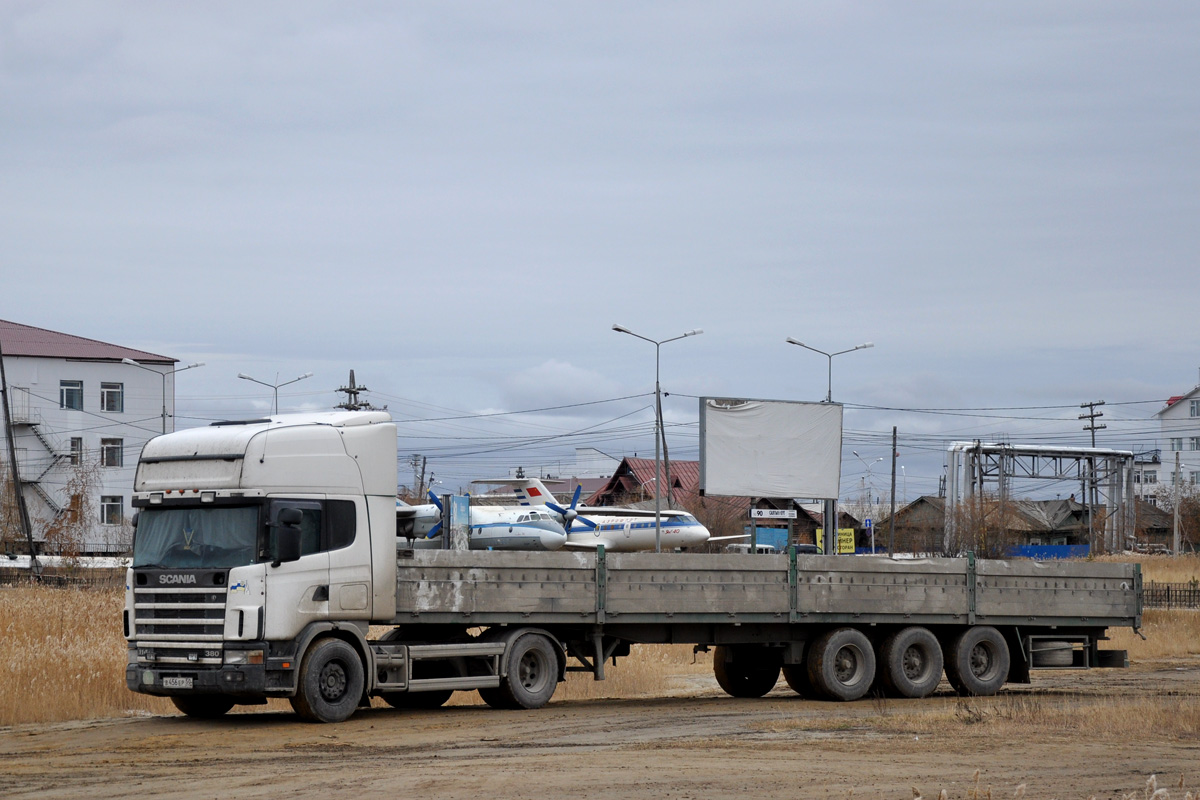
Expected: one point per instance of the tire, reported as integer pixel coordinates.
(910, 663)
(203, 706)
(330, 682)
(496, 698)
(978, 661)
(417, 700)
(841, 664)
(532, 674)
(745, 671)
(1054, 654)
(796, 676)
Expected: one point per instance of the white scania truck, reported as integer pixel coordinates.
(265, 551)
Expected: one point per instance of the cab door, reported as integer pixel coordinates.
(297, 592)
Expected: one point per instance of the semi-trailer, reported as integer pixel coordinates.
(266, 561)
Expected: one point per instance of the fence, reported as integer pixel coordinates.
(1172, 595)
(94, 578)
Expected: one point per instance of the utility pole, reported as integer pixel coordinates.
(1091, 417)
(1175, 511)
(35, 568)
(1090, 497)
(892, 515)
(352, 403)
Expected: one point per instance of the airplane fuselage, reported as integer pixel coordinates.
(493, 528)
(621, 534)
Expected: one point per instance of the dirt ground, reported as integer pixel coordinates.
(695, 743)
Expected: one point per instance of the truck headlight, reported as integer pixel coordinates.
(243, 656)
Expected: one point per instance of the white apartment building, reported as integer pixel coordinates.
(78, 416)
(1179, 434)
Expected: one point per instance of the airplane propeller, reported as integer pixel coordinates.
(570, 515)
(436, 529)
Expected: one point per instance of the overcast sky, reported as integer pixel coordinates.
(458, 200)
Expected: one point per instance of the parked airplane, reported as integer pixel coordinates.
(618, 529)
(491, 527)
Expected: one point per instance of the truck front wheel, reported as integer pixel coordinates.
(745, 671)
(841, 664)
(203, 706)
(978, 661)
(331, 682)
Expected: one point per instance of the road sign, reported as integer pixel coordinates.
(773, 513)
(867, 522)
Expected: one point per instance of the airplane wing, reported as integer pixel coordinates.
(617, 511)
(529, 491)
(727, 538)
(586, 545)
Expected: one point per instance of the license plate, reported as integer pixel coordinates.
(177, 683)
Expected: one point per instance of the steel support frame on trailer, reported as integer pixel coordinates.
(970, 466)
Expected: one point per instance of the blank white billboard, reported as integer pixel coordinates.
(770, 448)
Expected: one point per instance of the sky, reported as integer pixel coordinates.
(459, 200)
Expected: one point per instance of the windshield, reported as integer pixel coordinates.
(190, 538)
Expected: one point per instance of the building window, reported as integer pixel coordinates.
(76, 450)
(1151, 476)
(1177, 444)
(1194, 408)
(111, 509)
(70, 395)
(1194, 443)
(112, 397)
(112, 452)
(1195, 478)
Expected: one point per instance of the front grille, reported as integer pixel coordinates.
(179, 626)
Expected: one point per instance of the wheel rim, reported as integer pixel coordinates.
(981, 660)
(333, 681)
(532, 671)
(913, 663)
(847, 665)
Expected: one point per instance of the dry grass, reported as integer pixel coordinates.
(1163, 569)
(64, 657)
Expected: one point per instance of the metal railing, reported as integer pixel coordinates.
(1171, 595)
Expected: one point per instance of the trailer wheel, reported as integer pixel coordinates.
(330, 682)
(841, 664)
(417, 700)
(745, 671)
(203, 706)
(532, 674)
(796, 676)
(911, 663)
(978, 662)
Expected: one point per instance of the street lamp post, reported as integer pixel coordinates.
(164, 375)
(830, 505)
(870, 489)
(274, 386)
(658, 426)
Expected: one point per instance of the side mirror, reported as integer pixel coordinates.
(134, 520)
(287, 536)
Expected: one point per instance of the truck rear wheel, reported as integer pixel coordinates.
(745, 671)
(417, 699)
(911, 663)
(532, 674)
(796, 676)
(203, 706)
(841, 664)
(330, 683)
(978, 661)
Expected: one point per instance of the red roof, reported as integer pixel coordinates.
(25, 340)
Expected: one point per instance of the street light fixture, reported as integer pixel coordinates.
(830, 505)
(164, 375)
(274, 386)
(658, 426)
(829, 389)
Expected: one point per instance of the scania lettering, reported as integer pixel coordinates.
(266, 550)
